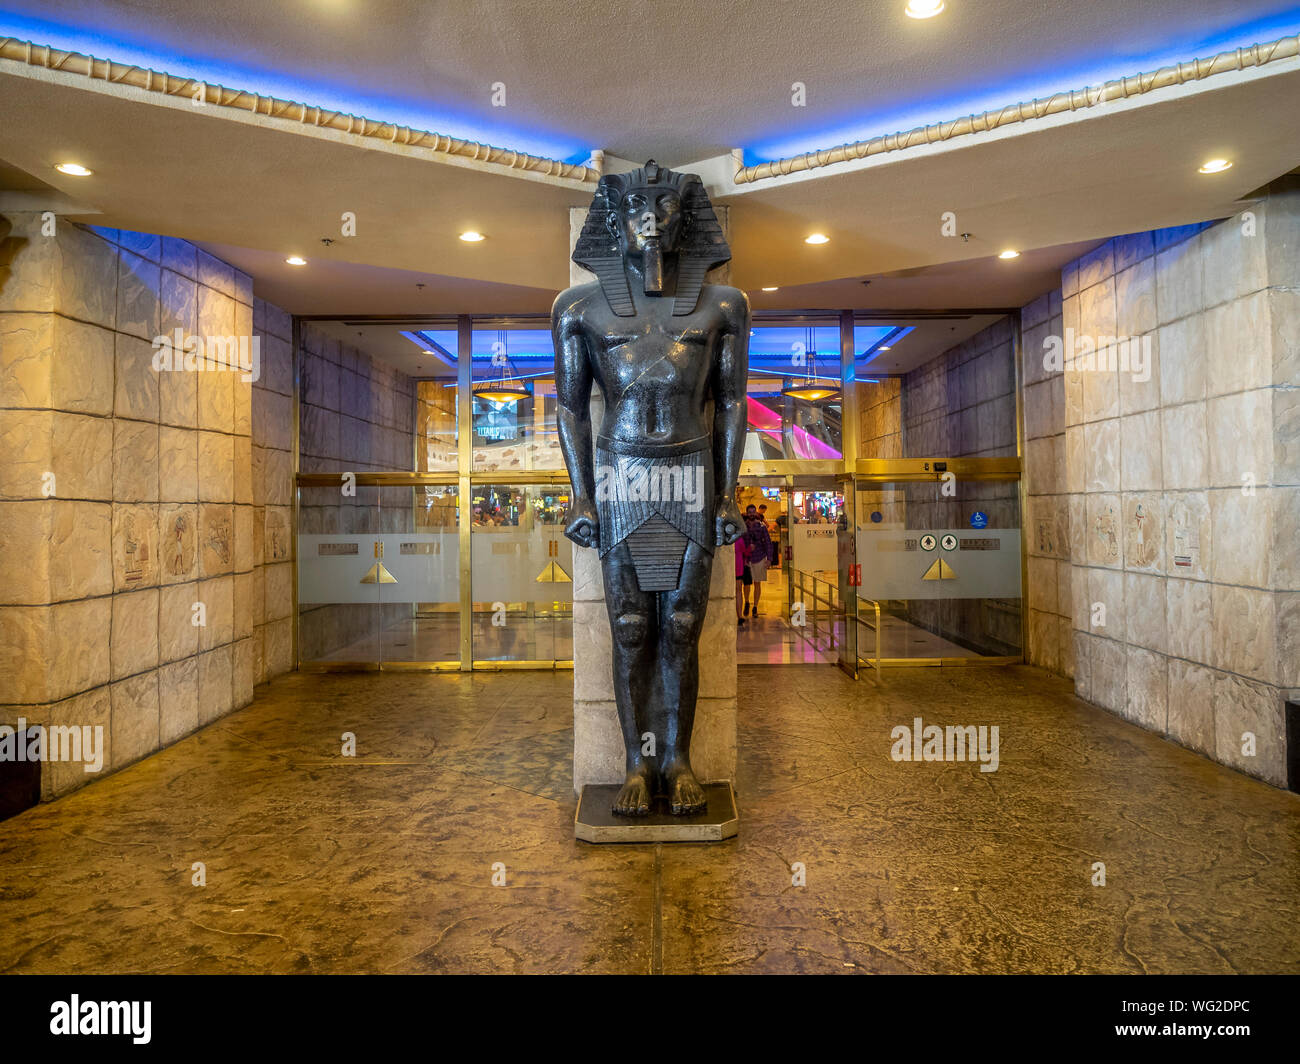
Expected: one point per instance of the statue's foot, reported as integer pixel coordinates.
(634, 797)
(685, 795)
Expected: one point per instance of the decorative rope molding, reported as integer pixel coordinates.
(41, 55)
(1075, 100)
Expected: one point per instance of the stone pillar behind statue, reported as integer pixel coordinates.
(597, 742)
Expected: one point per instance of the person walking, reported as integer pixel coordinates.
(758, 551)
(743, 579)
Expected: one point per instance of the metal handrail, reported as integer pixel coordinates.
(797, 577)
(862, 621)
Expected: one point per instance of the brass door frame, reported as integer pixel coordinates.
(831, 477)
(899, 470)
(464, 485)
(850, 468)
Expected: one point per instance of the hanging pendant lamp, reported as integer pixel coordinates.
(809, 388)
(502, 389)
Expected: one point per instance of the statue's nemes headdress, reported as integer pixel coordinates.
(702, 244)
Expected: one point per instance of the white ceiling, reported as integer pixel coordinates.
(678, 80)
(1124, 168)
(255, 189)
(331, 285)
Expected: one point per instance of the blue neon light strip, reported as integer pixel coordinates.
(848, 128)
(419, 116)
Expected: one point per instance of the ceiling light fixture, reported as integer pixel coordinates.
(772, 289)
(505, 388)
(472, 237)
(1010, 253)
(884, 347)
(1215, 166)
(817, 238)
(296, 260)
(502, 393)
(73, 170)
(923, 8)
(809, 392)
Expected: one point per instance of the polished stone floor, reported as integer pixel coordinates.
(384, 862)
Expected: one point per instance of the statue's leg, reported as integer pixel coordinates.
(681, 621)
(632, 623)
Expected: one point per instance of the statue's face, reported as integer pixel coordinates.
(645, 215)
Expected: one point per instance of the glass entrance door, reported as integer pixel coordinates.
(521, 576)
(980, 589)
(377, 573)
(789, 606)
(939, 559)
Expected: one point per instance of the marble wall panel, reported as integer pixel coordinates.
(1204, 457)
(135, 718)
(1191, 705)
(133, 643)
(178, 700)
(91, 709)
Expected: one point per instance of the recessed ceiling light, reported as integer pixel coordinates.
(73, 170)
(471, 237)
(1215, 166)
(296, 260)
(772, 289)
(884, 347)
(817, 238)
(1010, 253)
(923, 8)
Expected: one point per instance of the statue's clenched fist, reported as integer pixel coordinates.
(729, 525)
(584, 526)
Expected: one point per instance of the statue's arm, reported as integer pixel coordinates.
(573, 380)
(730, 408)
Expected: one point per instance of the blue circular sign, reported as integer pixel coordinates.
(979, 519)
(876, 517)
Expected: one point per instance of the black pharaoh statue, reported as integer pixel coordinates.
(656, 493)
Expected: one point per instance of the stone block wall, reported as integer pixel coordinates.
(1046, 528)
(963, 403)
(355, 413)
(1175, 500)
(128, 496)
(272, 472)
(880, 418)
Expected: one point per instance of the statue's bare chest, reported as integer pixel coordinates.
(630, 355)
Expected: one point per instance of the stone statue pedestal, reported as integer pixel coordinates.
(598, 755)
(595, 823)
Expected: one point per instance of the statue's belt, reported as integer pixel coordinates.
(640, 449)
